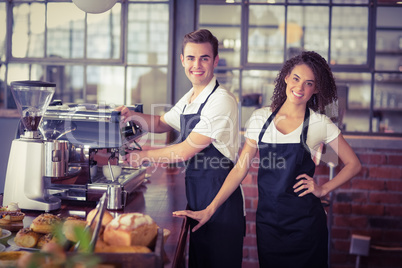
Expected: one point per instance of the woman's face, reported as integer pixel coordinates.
(300, 85)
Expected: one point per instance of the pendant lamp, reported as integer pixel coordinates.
(94, 6)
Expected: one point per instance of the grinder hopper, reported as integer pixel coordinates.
(26, 165)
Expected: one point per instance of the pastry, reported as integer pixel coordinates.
(131, 229)
(107, 217)
(122, 249)
(69, 226)
(11, 207)
(11, 216)
(45, 223)
(26, 238)
(44, 239)
(10, 258)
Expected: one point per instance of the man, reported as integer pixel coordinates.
(207, 118)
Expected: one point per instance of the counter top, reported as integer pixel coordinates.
(163, 193)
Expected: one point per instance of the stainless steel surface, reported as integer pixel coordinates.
(111, 171)
(116, 197)
(56, 158)
(100, 211)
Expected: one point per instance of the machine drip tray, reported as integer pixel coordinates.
(129, 179)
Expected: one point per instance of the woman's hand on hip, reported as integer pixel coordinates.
(307, 183)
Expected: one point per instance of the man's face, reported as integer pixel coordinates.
(199, 63)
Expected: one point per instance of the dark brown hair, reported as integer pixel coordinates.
(199, 37)
(324, 81)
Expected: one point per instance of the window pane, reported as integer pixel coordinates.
(148, 31)
(349, 35)
(224, 22)
(267, 1)
(2, 31)
(17, 72)
(65, 32)
(265, 40)
(354, 91)
(28, 30)
(389, 39)
(107, 83)
(104, 34)
(69, 83)
(149, 87)
(308, 32)
(148, 0)
(309, 1)
(348, 2)
(219, 1)
(3, 93)
(258, 88)
(229, 79)
(388, 103)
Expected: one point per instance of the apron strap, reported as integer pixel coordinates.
(269, 120)
(203, 104)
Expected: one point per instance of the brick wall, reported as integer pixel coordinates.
(370, 205)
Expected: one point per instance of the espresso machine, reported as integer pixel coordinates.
(60, 150)
(26, 165)
(96, 138)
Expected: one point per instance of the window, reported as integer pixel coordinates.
(368, 73)
(92, 58)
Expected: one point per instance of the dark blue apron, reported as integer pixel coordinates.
(218, 243)
(291, 230)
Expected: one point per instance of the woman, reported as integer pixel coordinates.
(291, 222)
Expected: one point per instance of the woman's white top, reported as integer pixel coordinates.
(321, 130)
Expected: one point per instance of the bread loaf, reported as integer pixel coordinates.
(69, 226)
(45, 223)
(122, 249)
(44, 239)
(107, 217)
(131, 229)
(26, 238)
(11, 216)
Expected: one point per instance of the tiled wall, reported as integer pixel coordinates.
(370, 205)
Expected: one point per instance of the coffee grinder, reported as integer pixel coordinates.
(26, 170)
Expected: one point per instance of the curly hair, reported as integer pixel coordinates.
(324, 81)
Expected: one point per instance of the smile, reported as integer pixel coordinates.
(197, 72)
(297, 95)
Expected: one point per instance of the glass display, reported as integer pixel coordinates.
(349, 35)
(265, 39)
(148, 31)
(354, 100)
(388, 102)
